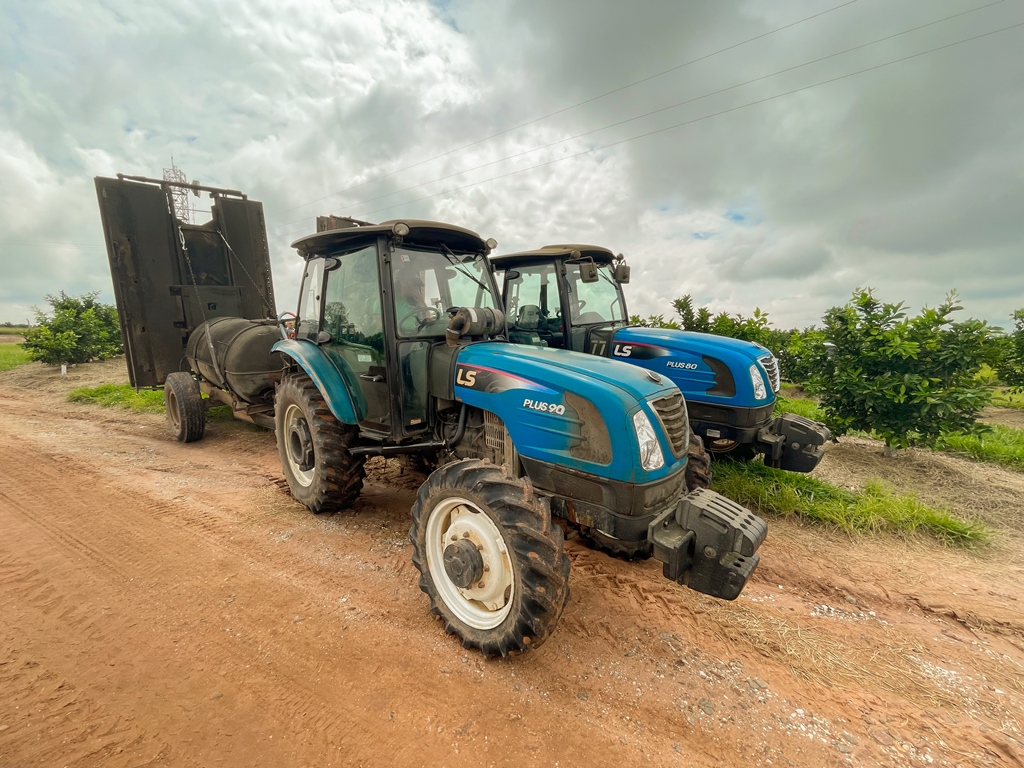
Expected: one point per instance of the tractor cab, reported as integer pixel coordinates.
(564, 296)
(375, 299)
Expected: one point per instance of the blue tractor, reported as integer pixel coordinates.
(570, 297)
(398, 348)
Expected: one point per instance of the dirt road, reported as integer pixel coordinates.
(170, 605)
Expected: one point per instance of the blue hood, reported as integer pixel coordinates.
(700, 364)
(536, 393)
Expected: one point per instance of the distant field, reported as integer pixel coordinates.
(15, 330)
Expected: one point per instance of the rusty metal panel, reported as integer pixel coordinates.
(245, 234)
(140, 238)
(170, 277)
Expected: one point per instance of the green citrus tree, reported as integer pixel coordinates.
(78, 329)
(908, 379)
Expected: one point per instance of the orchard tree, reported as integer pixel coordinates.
(80, 329)
(907, 379)
(1010, 365)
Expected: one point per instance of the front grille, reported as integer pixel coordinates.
(497, 438)
(671, 412)
(771, 367)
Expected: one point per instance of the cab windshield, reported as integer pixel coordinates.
(599, 302)
(428, 283)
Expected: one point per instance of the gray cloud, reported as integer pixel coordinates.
(909, 178)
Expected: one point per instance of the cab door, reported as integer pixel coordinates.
(351, 333)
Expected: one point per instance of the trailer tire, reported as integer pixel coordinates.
(313, 446)
(490, 559)
(698, 465)
(186, 411)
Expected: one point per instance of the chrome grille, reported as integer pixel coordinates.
(671, 412)
(771, 367)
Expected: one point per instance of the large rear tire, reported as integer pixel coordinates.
(313, 446)
(489, 557)
(186, 411)
(698, 465)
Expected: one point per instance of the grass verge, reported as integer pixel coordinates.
(145, 400)
(1004, 398)
(801, 406)
(120, 396)
(874, 510)
(998, 444)
(11, 356)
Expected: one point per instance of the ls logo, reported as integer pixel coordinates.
(622, 350)
(465, 377)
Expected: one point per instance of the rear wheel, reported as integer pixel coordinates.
(698, 465)
(186, 411)
(313, 446)
(489, 557)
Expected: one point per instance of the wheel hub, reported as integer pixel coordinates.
(301, 445)
(463, 563)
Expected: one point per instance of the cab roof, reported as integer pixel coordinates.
(423, 233)
(549, 252)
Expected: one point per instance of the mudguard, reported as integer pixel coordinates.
(331, 375)
(695, 363)
(553, 402)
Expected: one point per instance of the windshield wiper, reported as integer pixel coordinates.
(454, 261)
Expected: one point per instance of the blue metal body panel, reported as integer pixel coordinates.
(526, 387)
(679, 355)
(331, 375)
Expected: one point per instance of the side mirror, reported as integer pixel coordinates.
(331, 263)
(622, 273)
(513, 274)
(588, 272)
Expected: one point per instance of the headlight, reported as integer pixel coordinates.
(650, 449)
(760, 393)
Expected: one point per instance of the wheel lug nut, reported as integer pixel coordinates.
(465, 534)
(480, 585)
(486, 567)
(455, 537)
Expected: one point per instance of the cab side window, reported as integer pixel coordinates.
(351, 303)
(309, 300)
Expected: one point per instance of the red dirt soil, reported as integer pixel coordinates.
(170, 605)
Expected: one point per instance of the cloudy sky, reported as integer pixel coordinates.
(767, 153)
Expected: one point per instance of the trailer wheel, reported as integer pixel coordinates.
(313, 446)
(186, 411)
(698, 465)
(489, 557)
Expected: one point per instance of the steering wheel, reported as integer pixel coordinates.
(430, 315)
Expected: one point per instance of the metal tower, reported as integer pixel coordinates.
(179, 195)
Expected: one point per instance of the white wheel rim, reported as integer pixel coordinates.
(481, 607)
(292, 415)
(171, 404)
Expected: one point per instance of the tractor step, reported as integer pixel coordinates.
(709, 543)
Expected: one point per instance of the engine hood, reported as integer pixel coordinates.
(551, 399)
(706, 367)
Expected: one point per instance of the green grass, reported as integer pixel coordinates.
(998, 444)
(121, 396)
(1004, 398)
(874, 510)
(17, 330)
(11, 356)
(800, 406)
(145, 400)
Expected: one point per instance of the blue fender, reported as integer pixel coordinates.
(331, 375)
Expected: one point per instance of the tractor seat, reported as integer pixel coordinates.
(529, 318)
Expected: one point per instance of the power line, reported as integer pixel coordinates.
(574, 106)
(654, 112)
(700, 119)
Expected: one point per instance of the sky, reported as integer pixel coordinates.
(775, 154)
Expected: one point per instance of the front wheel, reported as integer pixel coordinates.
(489, 557)
(313, 446)
(698, 465)
(730, 450)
